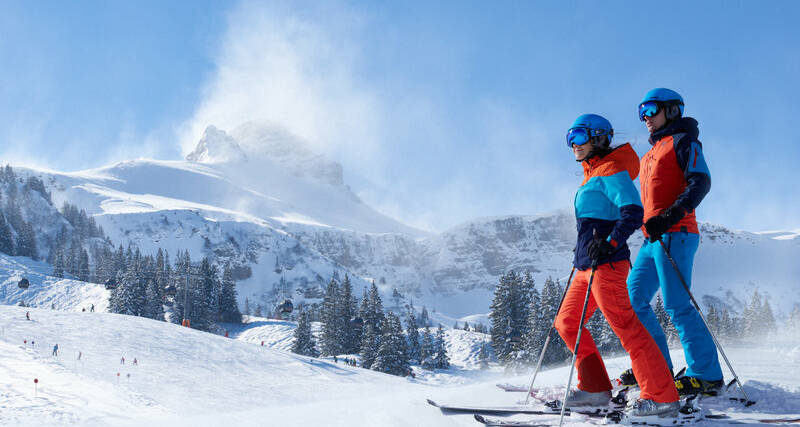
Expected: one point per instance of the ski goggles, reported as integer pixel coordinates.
(578, 136)
(648, 109)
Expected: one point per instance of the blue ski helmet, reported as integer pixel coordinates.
(659, 98)
(588, 127)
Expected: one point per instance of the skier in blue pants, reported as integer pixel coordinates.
(674, 179)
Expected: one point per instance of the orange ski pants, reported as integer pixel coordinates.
(610, 294)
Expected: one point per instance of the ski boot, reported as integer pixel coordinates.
(692, 385)
(646, 411)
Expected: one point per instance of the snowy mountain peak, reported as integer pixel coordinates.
(216, 146)
(262, 143)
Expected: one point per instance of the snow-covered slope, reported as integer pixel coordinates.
(186, 377)
(46, 290)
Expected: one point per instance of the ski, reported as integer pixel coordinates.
(665, 422)
(514, 388)
(507, 423)
(492, 410)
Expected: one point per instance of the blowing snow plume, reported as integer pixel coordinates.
(278, 65)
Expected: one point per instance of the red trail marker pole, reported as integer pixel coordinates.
(36, 387)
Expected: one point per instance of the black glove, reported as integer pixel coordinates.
(600, 248)
(659, 224)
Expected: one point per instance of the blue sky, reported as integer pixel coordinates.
(440, 111)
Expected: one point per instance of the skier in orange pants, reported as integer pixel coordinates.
(608, 210)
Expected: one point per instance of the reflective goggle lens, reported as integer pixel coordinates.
(577, 136)
(648, 109)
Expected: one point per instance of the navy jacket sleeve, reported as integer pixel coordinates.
(695, 170)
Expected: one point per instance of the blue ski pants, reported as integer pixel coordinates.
(652, 270)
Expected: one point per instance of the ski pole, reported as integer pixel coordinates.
(577, 342)
(547, 339)
(747, 401)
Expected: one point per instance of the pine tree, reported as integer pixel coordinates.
(6, 240)
(153, 308)
(666, 323)
(483, 358)
(228, 307)
(258, 312)
(557, 350)
(412, 332)
(500, 317)
(331, 322)
(427, 350)
(424, 319)
(392, 357)
(441, 360)
(247, 311)
(466, 326)
(350, 337)
(510, 317)
(370, 343)
(767, 318)
(26, 241)
(752, 316)
(304, 342)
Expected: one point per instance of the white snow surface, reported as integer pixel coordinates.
(187, 377)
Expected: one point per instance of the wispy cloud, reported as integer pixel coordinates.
(277, 64)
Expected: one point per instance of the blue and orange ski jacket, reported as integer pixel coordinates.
(607, 202)
(674, 173)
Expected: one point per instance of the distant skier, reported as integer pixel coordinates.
(79, 355)
(55, 350)
(122, 360)
(53, 306)
(135, 362)
(33, 343)
(91, 310)
(83, 309)
(28, 315)
(608, 211)
(674, 180)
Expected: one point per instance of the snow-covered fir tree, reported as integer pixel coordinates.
(304, 342)
(510, 317)
(427, 350)
(440, 359)
(350, 335)
(228, 307)
(666, 323)
(551, 295)
(483, 357)
(412, 333)
(332, 325)
(370, 343)
(424, 318)
(247, 311)
(392, 356)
